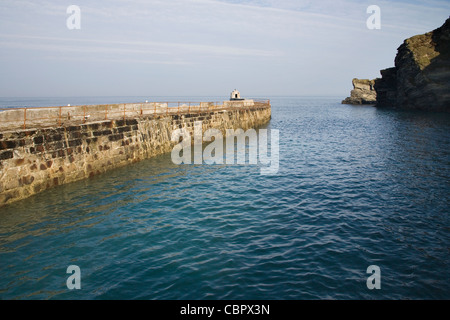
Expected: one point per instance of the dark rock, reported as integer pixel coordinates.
(115, 137)
(6, 155)
(123, 129)
(27, 179)
(421, 76)
(386, 88)
(7, 145)
(130, 122)
(38, 140)
(76, 142)
(73, 128)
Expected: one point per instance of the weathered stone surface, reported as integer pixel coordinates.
(421, 77)
(363, 92)
(6, 155)
(386, 87)
(7, 144)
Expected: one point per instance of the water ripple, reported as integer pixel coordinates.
(356, 187)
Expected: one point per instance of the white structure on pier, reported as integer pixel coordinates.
(235, 96)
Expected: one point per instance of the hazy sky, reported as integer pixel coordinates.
(202, 47)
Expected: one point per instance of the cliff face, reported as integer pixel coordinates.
(421, 76)
(363, 92)
(386, 87)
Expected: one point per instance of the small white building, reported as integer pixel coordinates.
(235, 95)
(237, 101)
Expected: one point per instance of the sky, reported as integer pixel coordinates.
(263, 48)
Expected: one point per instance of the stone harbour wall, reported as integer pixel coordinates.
(33, 160)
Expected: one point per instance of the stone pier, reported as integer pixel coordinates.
(44, 156)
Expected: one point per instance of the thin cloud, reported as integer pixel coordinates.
(119, 60)
(161, 47)
(281, 46)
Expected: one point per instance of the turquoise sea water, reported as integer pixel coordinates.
(357, 186)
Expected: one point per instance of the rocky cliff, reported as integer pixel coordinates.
(421, 76)
(363, 92)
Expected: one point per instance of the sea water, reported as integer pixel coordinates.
(356, 186)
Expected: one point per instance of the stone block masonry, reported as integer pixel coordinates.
(33, 160)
